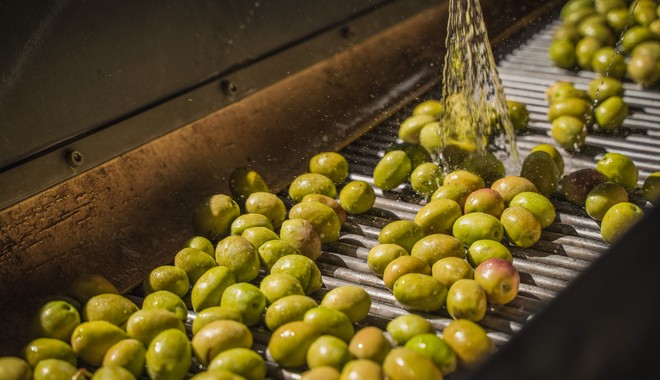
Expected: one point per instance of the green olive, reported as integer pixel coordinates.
(194, 262)
(618, 220)
(431, 107)
(644, 12)
(381, 255)
(404, 265)
(210, 286)
(288, 309)
(596, 26)
(357, 197)
(540, 206)
(486, 166)
(518, 114)
(273, 250)
(13, 368)
(566, 32)
(402, 232)
(247, 299)
(482, 250)
(311, 183)
(607, 62)
(302, 235)
(602, 88)
(619, 168)
(585, 49)
(604, 6)
(452, 269)
(330, 164)
(212, 219)
(466, 299)
(569, 132)
(169, 355)
(410, 127)
(476, 226)
(510, 186)
(426, 178)
(611, 113)
(484, 200)
(574, 6)
(215, 313)
(87, 286)
(164, 299)
(456, 192)
(436, 349)
(351, 300)
(217, 374)
(55, 319)
(258, 236)
(128, 354)
(521, 227)
(431, 139)
(469, 341)
(219, 336)
(54, 369)
(267, 204)
(406, 364)
(576, 107)
(438, 216)
(90, 340)
(602, 197)
(239, 255)
(434, 247)
(618, 19)
(277, 285)
(248, 220)
(201, 243)
(113, 373)
(634, 36)
(417, 154)
(404, 327)
(323, 218)
(540, 169)
(419, 292)
(167, 277)
(651, 48)
(241, 361)
(562, 53)
(554, 153)
(243, 182)
(330, 322)
(144, 325)
(303, 268)
(328, 350)
(328, 201)
(362, 369)
(289, 343)
(370, 343)
(454, 152)
(465, 178)
(644, 69)
(574, 18)
(392, 170)
(563, 90)
(48, 348)
(651, 188)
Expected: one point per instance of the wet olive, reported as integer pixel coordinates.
(644, 12)
(540, 169)
(113, 373)
(351, 300)
(406, 364)
(303, 268)
(330, 202)
(244, 221)
(610, 113)
(277, 285)
(644, 69)
(602, 197)
(576, 185)
(302, 235)
(212, 219)
(469, 341)
(452, 269)
(267, 204)
(431, 107)
(607, 62)
(438, 216)
(194, 262)
(651, 188)
(456, 192)
(562, 53)
(240, 256)
(164, 299)
(404, 327)
(619, 168)
(510, 186)
(219, 336)
(465, 178)
(476, 226)
(321, 373)
(167, 277)
(243, 182)
(410, 127)
(210, 286)
(311, 183)
(331, 164)
(402, 232)
(54, 369)
(241, 361)
(215, 313)
(419, 292)
(618, 19)
(596, 26)
(201, 243)
(540, 206)
(87, 286)
(521, 227)
(618, 220)
(357, 197)
(482, 250)
(328, 350)
(426, 178)
(381, 255)
(247, 299)
(434, 247)
(288, 309)
(273, 250)
(217, 374)
(518, 114)
(403, 265)
(323, 218)
(128, 354)
(169, 355)
(90, 340)
(466, 300)
(436, 349)
(361, 369)
(330, 322)
(484, 200)
(604, 6)
(392, 170)
(602, 88)
(55, 319)
(563, 90)
(370, 343)
(13, 368)
(144, 325)
(554, 153)
(48, 348)
(257, 236)
(289, 343)
(431, 139)
(576, 107)
(486, 166)
(634, 36)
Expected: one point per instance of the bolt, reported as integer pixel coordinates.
(74, 158)
(228, 87)
(346, 32)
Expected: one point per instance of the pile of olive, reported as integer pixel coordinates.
(615, 38)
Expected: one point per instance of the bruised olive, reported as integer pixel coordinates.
(323, 218)
(540, 169)
(302, 235)
(576, 185)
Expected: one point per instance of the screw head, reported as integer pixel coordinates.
(74, 158)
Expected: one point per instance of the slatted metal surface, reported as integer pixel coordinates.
(567, 247)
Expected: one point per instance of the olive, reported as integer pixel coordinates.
(357, 197)
(466, 299)
(482, 250)
(604, 6)
(486, 166)
(406, 364)
(436, 349)
(431, 107)
(201, 243)
(219, 336)
(431, 139)
(456, 192)
(55, 319)
(455, 152)
(644, 69)
(210, 286)
(277, 285)
(215, 313)
(540, 206)
(330, 202)
(321, 373)
(576, 5)
(302, 235)
(576, 185)
(417, 154)
(288, 309)
(518, 115)
(451, 269)
(323, 218)
(164, 299)
(257, 236)
(619, 169)
(90, 340)
(654, 27)
(563, 90)
(410, 127)
(330, 322)
(128, 354)
(212, 219)
(402, 232)
(476, 226)
(112, 373)
(217, 374)
(602, 197)
(651, 188)
(426, 178)
(608, 62)
(13, 368)
(566, 32)
(469, 180)
(618, 19)
(392, 170)
(48, 348)
(330, 164)
(248, 220)
(403, 265)
(167, 277)
(404, 327)
(520, 226)
(303, 268)
(144, 325)
(419, 292)
(289, 343)
(610, 113)
(240, 256)
(574, 18)
(87, 286)
(311, 183)
(169, 355)
(602, 88)
(370, 343)
(438, 216)
(554, 153)
(644, 12)
(273, 250)
(484, 200)
(241, 361)
(499, 279)
(351, 300)
(634, 36)
(618, 220)
(651, 48)
(585, 49)
(434, 247)
(562, 53)
(576, 107)
(54, 369)
(361, 369)
(247, 299)
(510, 186)
(381, 255)
(267, 204)
(469, 341)
(194, 262)
(243, 182)
(328, 350)
(540, 169)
